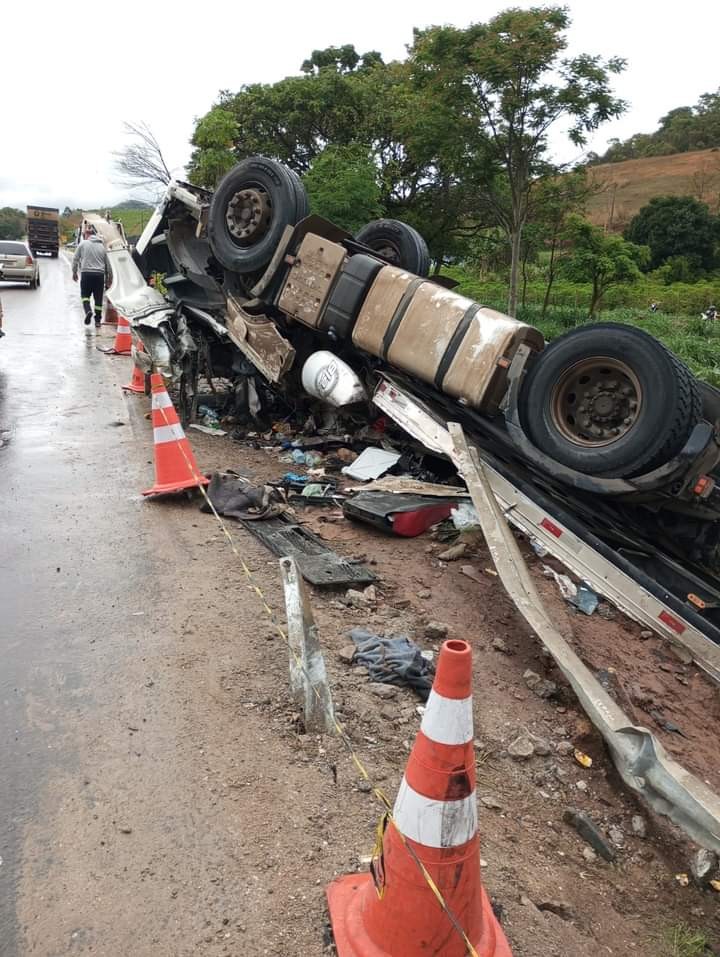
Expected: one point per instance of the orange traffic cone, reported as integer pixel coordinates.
(123, 339)
(396, 914)
(175, 465)
(137, 383)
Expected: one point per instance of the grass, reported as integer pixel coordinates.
(682, 941)
(628, 186)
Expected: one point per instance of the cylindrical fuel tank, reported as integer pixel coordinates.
(447, 340)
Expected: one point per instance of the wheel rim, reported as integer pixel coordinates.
(388, 251)
(596, 402)
(248, 216)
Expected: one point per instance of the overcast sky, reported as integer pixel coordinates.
(72, 73)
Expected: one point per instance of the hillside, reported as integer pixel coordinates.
(627, 186)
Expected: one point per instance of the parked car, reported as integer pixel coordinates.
(18, 263)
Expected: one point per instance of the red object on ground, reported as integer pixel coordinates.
(435, 815)
(410, 524)
(175, 465)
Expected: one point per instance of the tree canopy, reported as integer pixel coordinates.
(673, 226)
(13, 223)
(600, 258)
(457, 133)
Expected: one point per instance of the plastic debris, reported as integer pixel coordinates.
(207, 429)
(465, 517)
(538, 547)
(393, 659)
(580, 596)
(371, 464)
(584, 759)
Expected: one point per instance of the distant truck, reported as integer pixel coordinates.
(43, 230)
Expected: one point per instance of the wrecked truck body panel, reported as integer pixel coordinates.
(322, 292)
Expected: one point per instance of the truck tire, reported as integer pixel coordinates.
(609, 400)
(250, 208)
(397, 242)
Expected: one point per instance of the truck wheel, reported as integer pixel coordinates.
(609, 400)
(250, 208)
(397, 242)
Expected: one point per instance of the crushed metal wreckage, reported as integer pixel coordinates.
(601, 446)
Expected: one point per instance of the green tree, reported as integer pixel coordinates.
(505, 84)
(600, 258)
(214, 138)
(676, 226)
(344, 99)
(342, 185)
(13, 223)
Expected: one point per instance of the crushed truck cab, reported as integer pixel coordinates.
(261, 290)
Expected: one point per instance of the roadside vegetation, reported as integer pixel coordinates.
(682, 941)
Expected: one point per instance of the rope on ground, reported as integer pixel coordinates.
(381, 797)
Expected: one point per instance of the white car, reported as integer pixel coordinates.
(18, 263)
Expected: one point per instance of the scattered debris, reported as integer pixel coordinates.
(589, 832)
(436, 631)
(371, 464)
(381, 690)
(583, 759)
(580, 596)
(499, 645)
(361, 599)
(405, 515)
(639, 826)
(465, 517)
(704, 867)
(471, 572)
(453, 553)
(236, 497)
(616, 835)
(393, 659)
(318, 563)
(522, 747)
(207, 429)
(539, 686)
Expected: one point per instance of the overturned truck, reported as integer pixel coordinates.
(604, 421)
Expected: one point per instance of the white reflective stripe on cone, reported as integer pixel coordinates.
(435, 823)
(168, 433)
(448, 720)
(161, 400)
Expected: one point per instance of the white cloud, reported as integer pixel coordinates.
(72, 76)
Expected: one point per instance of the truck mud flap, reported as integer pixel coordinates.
(318, 564)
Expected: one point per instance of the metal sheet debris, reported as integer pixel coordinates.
(318, 563)
(371, 464)
(641, 760)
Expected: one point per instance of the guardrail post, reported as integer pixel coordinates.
(309, 685)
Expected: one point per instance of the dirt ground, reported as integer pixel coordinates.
(158, 797)
(531, 857)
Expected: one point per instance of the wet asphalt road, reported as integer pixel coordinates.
(69, 475)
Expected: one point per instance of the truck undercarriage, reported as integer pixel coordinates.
(285, 309)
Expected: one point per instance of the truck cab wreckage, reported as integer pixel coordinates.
(601, 444)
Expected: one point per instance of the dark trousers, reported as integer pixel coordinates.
(92, 284)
